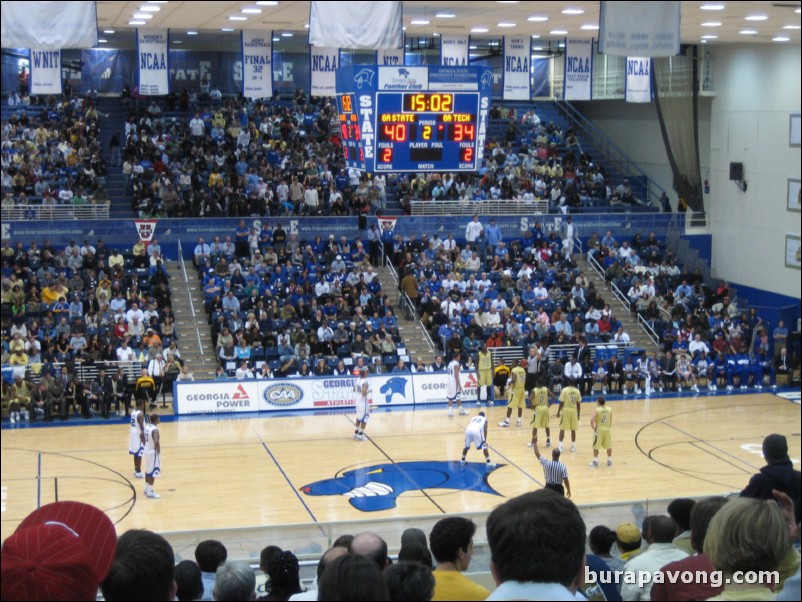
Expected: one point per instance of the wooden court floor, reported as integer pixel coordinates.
(242, 472)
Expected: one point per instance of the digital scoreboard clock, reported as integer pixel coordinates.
(413, 119)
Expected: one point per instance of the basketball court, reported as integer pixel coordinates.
(233, 473)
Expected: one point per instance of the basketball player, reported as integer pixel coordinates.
(476, 434)
(539, 401)
(484, 367)
(152, 455)
(454, 386)
(362, 391)
(570, 400)
(136, 440)
(601, 423)
(517, 394)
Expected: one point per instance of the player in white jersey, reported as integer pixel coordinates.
(454, 387)
(136, 439)
(362, 392)
(476, 435)
(152, 455)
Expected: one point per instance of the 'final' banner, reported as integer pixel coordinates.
(257, 64)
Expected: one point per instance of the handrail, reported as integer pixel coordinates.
(644, 326)
(413, 312)
(609, 148)
(622, 298)
(596, 266)
(55, 212)
(189, 294)
(484, 207)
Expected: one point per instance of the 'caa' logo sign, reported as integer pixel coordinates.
(283, 395)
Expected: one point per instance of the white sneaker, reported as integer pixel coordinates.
(593, 464)
(758, 387)
(139, 475)
(609, 461)
(450, 413)
(548, 442)
(463, 412)
(651, 392)
(362, 437)
(12, 418)
(462, 462)
(560, 447)
(530, 444)
(773, 387)
(662, 388)
(604, 390)
(152, 495)
(743, 387)
(679, 389)
(729, 387)
(695, 389)
(518, 423)
(624, 391)
(573, 447)
(504, 424)
(638, 391)
(490, 465)
(491, 402)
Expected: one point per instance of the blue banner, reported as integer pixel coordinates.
(107, 71)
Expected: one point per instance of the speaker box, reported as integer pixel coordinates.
(736, 171)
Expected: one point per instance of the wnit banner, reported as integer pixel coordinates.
(517, 79)
(45, 71)
(154, 70)
(578, 77)
(257, 64)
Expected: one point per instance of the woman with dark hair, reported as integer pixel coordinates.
(284, 580)
(352, 577)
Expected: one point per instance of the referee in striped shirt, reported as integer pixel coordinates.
(556, 472)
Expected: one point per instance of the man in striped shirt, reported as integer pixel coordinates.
(555, 472)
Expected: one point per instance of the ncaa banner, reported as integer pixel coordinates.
(390, 56)
(323, 65)
(639, 79)
(45, 71)
(515, 75)
(49, 25)
(642, 28)
(578, 76)
(257, 64)
(454, 50)
(356, 25)
(154, 71)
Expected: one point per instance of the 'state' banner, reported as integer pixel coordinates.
(517, 79)
(639, 79)
(257, 64)
(45, 72)
(153, 67)
(324, 63)
(454, 50)
(578, 77)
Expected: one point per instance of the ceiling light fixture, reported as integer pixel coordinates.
(192, 33)
(150, 9)
(790, 26)
(780, 39)
(419, 22)
(237, 18)
(445, 15)
(506, 24)
(711, 24)
(748, 32)
(558, 32)
(136, 22)
(252, 11)
(538, 18)
(756, 18)
(572, 11)
(142, 16)
(589, 27)
(711, 7)
(109, 31)
(479, 30)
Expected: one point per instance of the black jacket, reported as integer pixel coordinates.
(780, 476)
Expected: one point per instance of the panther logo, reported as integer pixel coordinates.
(403, 73)
(364, 77)
(487, 79)
(398, 385)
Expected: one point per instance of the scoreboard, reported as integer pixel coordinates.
(415, 119)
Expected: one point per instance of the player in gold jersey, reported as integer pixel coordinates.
(570, 407)
(517, 395)
(601, 423)
(484, 370)
(539, 401)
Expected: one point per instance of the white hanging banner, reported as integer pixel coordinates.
(324, 63)
(516, 76)
(49, 25)
(389, 57)
(578, 76)
(454, 50)
(357, 25)
(257, 64)
(639, 79)
(154, 69)
(45, 72)
(646, 28)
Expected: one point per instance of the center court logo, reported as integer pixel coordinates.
(283, 395)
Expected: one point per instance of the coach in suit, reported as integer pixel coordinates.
(615, 373)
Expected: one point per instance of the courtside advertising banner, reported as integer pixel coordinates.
(45, 71)
(516, 77)
(356, 25)
(454, 50)
(578, 77)
(639, 79)
(390, 57)
(430, 387)
(216, 397)
(257, 64)
(323, 66)
(49, 25)
(154, 71)
(643, 28)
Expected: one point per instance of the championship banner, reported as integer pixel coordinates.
(45, 72)
(145, 228)
(323, 65)
(257, 64)
(515, 75)
(151, 52)
(390, 57)
(49, 25)
(578, 76)
(647, 28)
(386, 222)
(639, 79)
(356, 25)
(454, 50)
